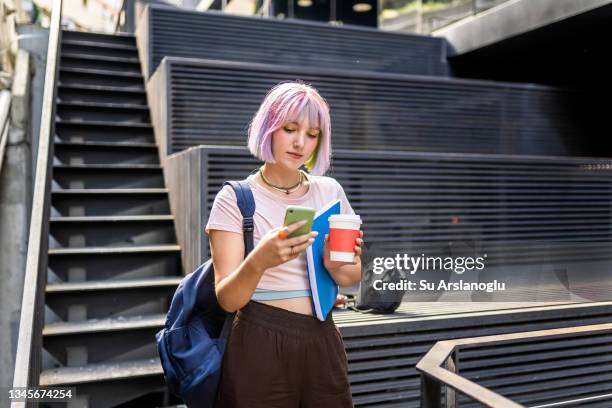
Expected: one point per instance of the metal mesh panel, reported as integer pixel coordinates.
(383, 351)
(213, 35)
(514, 205)
(213, 102)
(543, 209)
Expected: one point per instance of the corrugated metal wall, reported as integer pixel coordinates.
(382, 352)
(418, 206)
(213, 102)
(426, 163)
(183, 33)
(519, 211)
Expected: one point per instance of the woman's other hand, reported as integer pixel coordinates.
(274, 249)
(340, 300)
(330, 265)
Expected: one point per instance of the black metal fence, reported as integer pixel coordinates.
(383, 350)
(164, 31)
(526, 214)
(212, 102)
(556, 368)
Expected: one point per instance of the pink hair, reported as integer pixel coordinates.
(287, 102)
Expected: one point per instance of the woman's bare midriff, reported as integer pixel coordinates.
(301, 305)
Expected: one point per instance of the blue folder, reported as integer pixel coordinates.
(323, 287)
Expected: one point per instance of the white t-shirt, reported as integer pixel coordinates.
(269, 214)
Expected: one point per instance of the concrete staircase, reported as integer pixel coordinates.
(113, 257)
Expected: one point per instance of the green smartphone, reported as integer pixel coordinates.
(296, 213)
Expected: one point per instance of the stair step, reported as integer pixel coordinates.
(104, 325)
(75, 343)
(97, 286)
(89, 57)
(96, 299)
(97, 49)
(106, 88)
(103, 132)
(112, 218)
(105, 191)
(116, 265)
(107, 63)
(105, 153)
(105, 105)
(101, 72)
(97, 231)
(119, 144)
(97, 45)
(113, 250)
(101, 93)
(106, 202)
(94, 123)
(78, 76)
(100, 372)
(106, 176)
(102, 112)
(115, 38)
(108, 166)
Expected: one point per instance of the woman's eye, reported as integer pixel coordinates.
(289, 130)
(313, 136)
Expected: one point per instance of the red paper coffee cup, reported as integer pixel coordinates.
(343, 232)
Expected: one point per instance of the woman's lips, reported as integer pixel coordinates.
(295, 156)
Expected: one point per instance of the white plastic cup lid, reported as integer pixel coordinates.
(346, 218)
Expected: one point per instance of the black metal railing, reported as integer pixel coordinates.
(376, 110)
(440, 366)
(5, 104)
(125, 17)
(172, 32)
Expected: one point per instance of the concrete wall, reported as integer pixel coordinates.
(509, 19)
(34, 40)
(16, 186)
(15, 206)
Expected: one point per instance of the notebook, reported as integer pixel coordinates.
(323, 287)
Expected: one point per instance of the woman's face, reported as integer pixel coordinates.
(294, 142)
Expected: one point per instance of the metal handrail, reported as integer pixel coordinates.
(444, 353)
(118, 21)
(127, 11)
(29, 343)
(5, 104)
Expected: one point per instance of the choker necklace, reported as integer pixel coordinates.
(285, 190)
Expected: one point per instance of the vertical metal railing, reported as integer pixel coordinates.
(439, 368)
(29, 343)
(423, 18)
(5, 105)
(125, 22)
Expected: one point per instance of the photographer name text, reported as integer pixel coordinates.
(424, 284)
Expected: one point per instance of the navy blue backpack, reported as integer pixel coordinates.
(192, 342)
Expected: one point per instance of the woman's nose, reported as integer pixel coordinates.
(298, 141)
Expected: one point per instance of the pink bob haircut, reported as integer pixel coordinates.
(292, 102)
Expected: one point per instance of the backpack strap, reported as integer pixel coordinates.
(246, 204)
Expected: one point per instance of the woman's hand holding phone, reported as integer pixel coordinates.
(273, 250)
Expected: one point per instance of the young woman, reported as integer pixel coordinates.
(279, 354)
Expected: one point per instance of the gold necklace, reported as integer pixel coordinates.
(286, 190)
